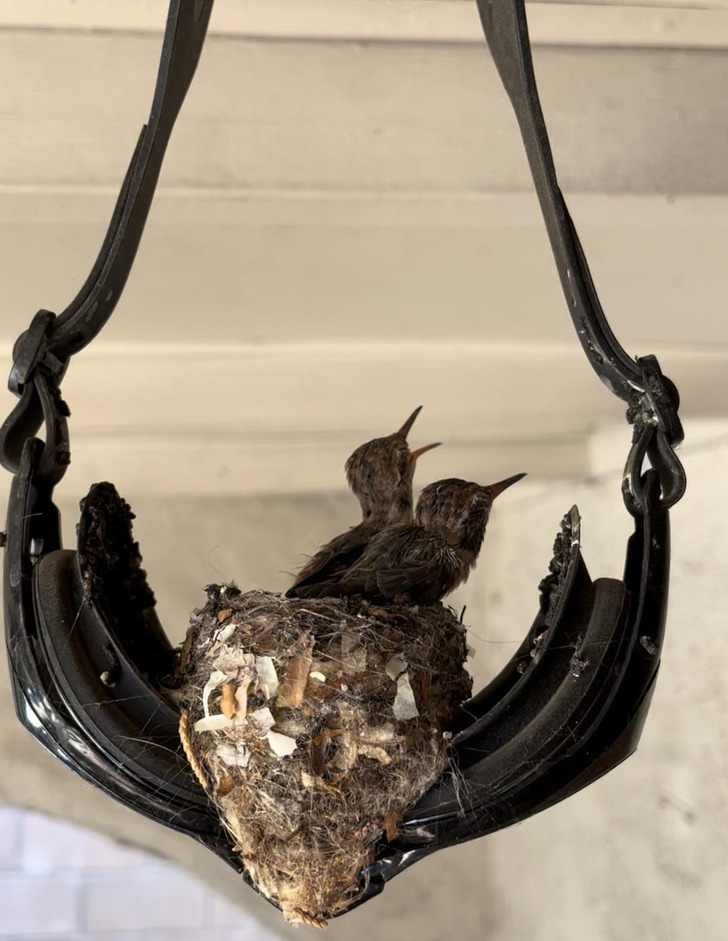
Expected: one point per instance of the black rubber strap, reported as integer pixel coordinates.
(653, 399)
(84, 317)
(506, 30)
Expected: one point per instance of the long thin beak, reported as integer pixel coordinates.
(420, 451)
(497, 489)
(406, 428)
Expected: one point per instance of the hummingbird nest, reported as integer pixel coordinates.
(313, 725)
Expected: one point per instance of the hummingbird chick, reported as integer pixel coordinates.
(422, 563)
(380, 474)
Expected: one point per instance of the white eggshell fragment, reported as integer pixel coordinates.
(282, 745)
(213, 723)
(262, 720)
(267, 676)
(404, 702)
(236, 756)
(216, 678)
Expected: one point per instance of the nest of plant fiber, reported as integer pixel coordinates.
(313, 725)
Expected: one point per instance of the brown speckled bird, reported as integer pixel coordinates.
(422, 563)
(380, 474)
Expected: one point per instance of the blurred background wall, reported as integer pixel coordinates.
(345, 229)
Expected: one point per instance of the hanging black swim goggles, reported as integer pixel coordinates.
(88, 654)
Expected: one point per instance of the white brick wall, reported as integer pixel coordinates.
(59, 882)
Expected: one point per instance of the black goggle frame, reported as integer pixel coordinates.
(88, 655)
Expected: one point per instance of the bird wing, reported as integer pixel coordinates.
(424, 582)
(426, 571)
(332, 559)
(404, 562)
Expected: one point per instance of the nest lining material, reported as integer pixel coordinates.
(313, 725)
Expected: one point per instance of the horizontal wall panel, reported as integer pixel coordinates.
(290, 267)
(372, 116)
(283, 419)
(685, 23)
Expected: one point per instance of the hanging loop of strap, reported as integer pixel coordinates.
(653, 439)
(651, 397)
(35, 378)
